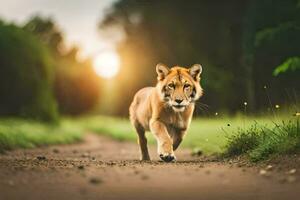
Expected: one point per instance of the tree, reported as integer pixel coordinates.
(273, 37)
(77, 87)
(47, 31)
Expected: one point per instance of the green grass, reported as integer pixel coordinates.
(228, 136)
(209, 135)
(260, 142)
(20, 133)
(117, 128)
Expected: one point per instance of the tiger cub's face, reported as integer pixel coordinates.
(179, 86)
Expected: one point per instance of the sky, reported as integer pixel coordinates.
(78, 19)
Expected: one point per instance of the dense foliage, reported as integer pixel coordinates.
(26, 75)
(76, 86)
(39, 76)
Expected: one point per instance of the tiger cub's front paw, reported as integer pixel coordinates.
(167, 157)
(166, 153)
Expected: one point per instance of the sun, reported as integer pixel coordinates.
(107, 64)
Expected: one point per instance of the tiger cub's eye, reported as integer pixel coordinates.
(171, 85)
(187, 86)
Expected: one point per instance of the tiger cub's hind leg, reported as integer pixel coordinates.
(142, 140)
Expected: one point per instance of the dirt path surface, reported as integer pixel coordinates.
(101, 168)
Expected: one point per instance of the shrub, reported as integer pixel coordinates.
(260, 142)
(243, 141)
(25, 76)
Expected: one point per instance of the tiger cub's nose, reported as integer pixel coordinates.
(178, 101)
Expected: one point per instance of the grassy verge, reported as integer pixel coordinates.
(209, 135)
(228, 136)
(259, 142)
(19, 133)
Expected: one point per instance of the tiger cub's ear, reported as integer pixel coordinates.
(195, 71)
(162, 71)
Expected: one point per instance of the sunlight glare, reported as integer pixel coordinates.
(107, 64)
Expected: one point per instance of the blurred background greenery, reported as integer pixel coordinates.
(40, 81)
(249, 50)
(239, 44)
(242, 45)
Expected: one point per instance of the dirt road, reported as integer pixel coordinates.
(101, 168)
